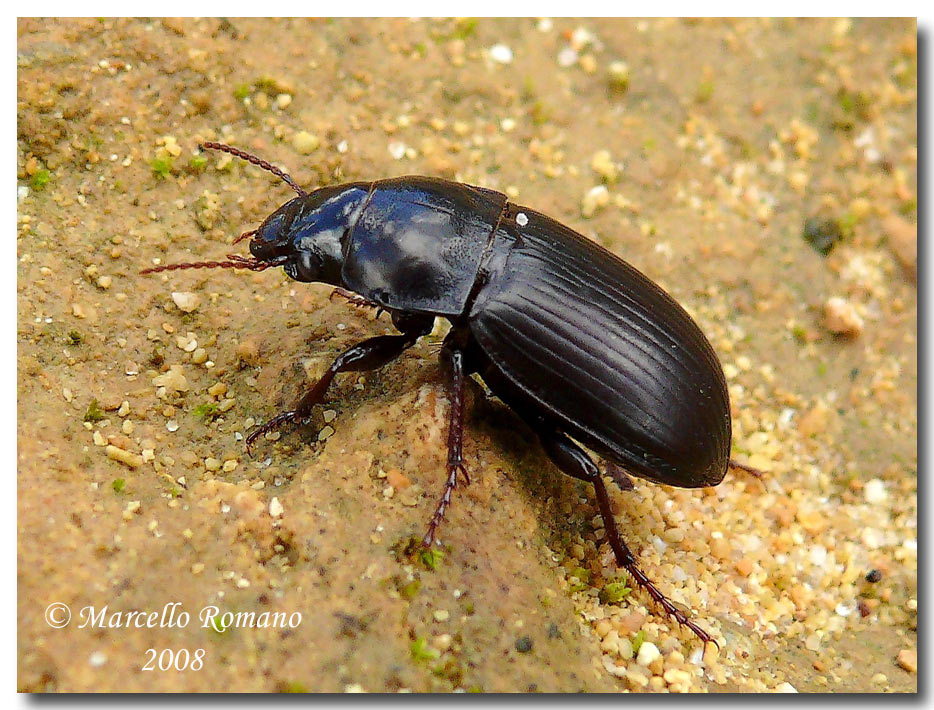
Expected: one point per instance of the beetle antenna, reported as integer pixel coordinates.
(259, 162)
(234, 261)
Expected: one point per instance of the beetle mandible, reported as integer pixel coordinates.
(579, 344)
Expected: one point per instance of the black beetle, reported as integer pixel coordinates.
(581, 345)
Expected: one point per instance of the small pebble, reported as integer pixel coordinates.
(841, 317)
(218, 389)
(588, 63)
(132, 508)
(275, 508)
(902, 237)
(125, 457)
(185, 300)
(248, 352)
(603, 165)
(595, 199)
(618, 76)
(305, 142)
(524, 644)
(501, 54)
(174, 379)
(874, 491)
(97, 659)
(908, 659)
(648, 652)
(567, 57)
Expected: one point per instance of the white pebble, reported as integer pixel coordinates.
(596, 198)
(842, 318)
(397, 150)
(97, 659)
(567, 57)
(818, 555)
(648, 652)
(275, 508)
(786, 688)
(872, 538)
(845, 608)
(501, 54)
(874, 491)
(305, 142)
(522, 219)
(186, 300)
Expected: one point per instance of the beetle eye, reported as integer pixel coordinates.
(306, 266)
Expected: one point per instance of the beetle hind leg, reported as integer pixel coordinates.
(574, 461)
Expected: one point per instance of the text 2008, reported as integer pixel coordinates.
(168, 659)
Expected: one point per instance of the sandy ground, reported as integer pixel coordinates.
(701, 152)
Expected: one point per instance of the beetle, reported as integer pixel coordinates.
(583, 347)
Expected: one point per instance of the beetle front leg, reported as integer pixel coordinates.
(452, 362)
(371, 354)
(574, 461)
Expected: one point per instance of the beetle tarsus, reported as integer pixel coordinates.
(452, 361)
(574, 461)
(747, 468)
(271, 425)
(354, 299)
(619, 476)
(449, 485)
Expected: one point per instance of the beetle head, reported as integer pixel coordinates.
(304, 236)
(308, 232)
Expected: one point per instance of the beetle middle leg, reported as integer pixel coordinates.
(370, 354)
(574, 461)
(452, 363)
